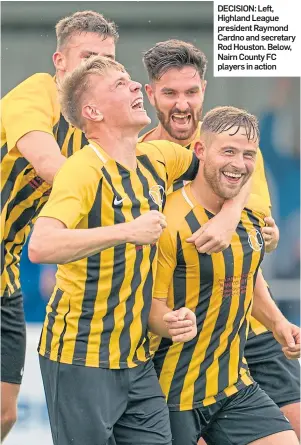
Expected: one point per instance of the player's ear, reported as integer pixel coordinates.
(59, 61)
(150, 93)
(204, 84)
(92, 113)
(199, 149)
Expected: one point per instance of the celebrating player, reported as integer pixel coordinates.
(206, 381)
(35, 141)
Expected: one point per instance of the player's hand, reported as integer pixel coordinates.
(214, 236)
(147, 228)
(270, 234)
(288, 335)
(181, 324)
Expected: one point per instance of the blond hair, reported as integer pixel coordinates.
(76, 84)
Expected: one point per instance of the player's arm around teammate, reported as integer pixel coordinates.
(266, 311)
(53, 242)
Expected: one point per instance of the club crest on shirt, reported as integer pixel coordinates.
(157, 192)
(255, 240)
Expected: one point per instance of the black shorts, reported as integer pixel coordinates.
(278, 376)
(240, 419)
(13, 338)
(97, 406)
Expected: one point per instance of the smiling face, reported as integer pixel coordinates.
(80, 47)
(228, 161)
(178, 98)
(115, 100)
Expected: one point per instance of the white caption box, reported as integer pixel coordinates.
(257, 39)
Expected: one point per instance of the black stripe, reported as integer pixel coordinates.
(125, 340)
(70, 146)
(2, 256)
(51, 319)
(62, 131)
(4, 151)
(84, 140)
(61, 339)
(19, 165)
(91, 284)
(192, 170)
(15, 261)
(22, 221)
(55, 129)
(20, 224)
(149, 166)
(177, 185)
(117, 280)
(21, 196)
(145, 186)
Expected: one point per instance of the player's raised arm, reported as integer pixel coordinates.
(60, 236)
(29, 117)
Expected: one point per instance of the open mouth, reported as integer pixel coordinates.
(233, 177)
(181, 119)
(138, 104)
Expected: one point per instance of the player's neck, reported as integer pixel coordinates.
(160, 134)
(204, 195)
(120, 147)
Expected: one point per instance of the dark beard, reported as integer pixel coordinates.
(181, 136)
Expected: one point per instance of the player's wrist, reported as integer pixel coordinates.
(126, 233)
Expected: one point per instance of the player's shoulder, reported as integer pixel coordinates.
(35, 83)
(156, 148)
(83, 165)
(255, 217)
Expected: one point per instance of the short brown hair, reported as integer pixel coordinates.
(76, 84)
(222, 119)
(173, 54)
(84, 21)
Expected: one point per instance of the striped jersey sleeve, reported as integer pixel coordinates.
(31, 106)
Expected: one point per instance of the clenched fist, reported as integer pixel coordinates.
(181, 324)
(147, 228)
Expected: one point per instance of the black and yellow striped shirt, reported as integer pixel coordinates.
(98, 313)
(219, 289)
(259, 201)
(31, 106)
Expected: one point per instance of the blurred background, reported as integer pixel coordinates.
(27, 44)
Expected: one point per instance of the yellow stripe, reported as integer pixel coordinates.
(169, 367)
